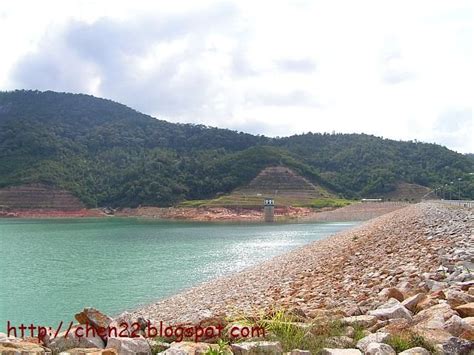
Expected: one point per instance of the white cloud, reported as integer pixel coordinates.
(396, 69)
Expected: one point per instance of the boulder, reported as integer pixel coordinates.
(391, 292)
(365, 321)
(457, 298)
(89, 351)
(392, 309)
(431, 322)
(257, 348)
(434, 285)
(128, 346)
(426, 301)
(469, 320)
(456, 346)
(327, 351)
(415, 351)
(93, 317)
(23, 348)
(466, 310)
(412, 302)
(379, 337)
(457, 326)
(379, 349)
(434, 317)
(71, 341)
(395, 326)
(339, 341)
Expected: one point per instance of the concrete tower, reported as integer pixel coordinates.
(269, 209)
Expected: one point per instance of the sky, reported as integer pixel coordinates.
(396, 69)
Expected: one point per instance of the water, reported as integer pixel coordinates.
(51, 269)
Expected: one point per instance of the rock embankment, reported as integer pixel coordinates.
(406, 249)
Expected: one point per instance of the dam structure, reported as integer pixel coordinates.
(269, 209)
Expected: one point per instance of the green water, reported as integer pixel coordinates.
(50, 269)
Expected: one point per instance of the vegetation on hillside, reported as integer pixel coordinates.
(111, 155)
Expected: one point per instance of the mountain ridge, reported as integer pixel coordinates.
(106, 153)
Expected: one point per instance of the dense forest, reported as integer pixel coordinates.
(111, 155)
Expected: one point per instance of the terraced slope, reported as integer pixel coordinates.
(38, 196)
(409, 192)
(282, 181)
(279, 182)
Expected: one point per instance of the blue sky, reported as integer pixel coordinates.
(397, 69)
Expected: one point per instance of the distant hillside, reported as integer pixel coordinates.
(107, 154)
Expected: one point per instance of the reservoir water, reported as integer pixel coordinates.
(51, 269)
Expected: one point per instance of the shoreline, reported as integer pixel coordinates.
(304, 279)
(355, 212)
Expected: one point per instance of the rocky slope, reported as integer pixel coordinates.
(401, 249)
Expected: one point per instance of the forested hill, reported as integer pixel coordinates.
(110, 155)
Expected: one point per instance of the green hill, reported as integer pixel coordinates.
(106, 153)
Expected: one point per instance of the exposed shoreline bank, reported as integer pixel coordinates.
(354, 212)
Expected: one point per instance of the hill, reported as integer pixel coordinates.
(108, 154)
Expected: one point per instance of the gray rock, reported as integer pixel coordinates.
(379, 349)
(379, 337)
(257, 347)
(364, 320)
(456, 326)
(457, 346)
(392, 309)
(415, 351)
(129, 346)
(457, 298)
(63, 342)
(339, 341)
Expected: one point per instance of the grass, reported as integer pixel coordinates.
(358, 332)
(287, 328)
(407, 340)
(283, 327)
(329, 202)
(222, 349)
(238, 200)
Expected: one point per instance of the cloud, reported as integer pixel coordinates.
(292, 98)
(381, 68)
(157, 64)
(304, 65)
(394, 66)
(454, 128)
